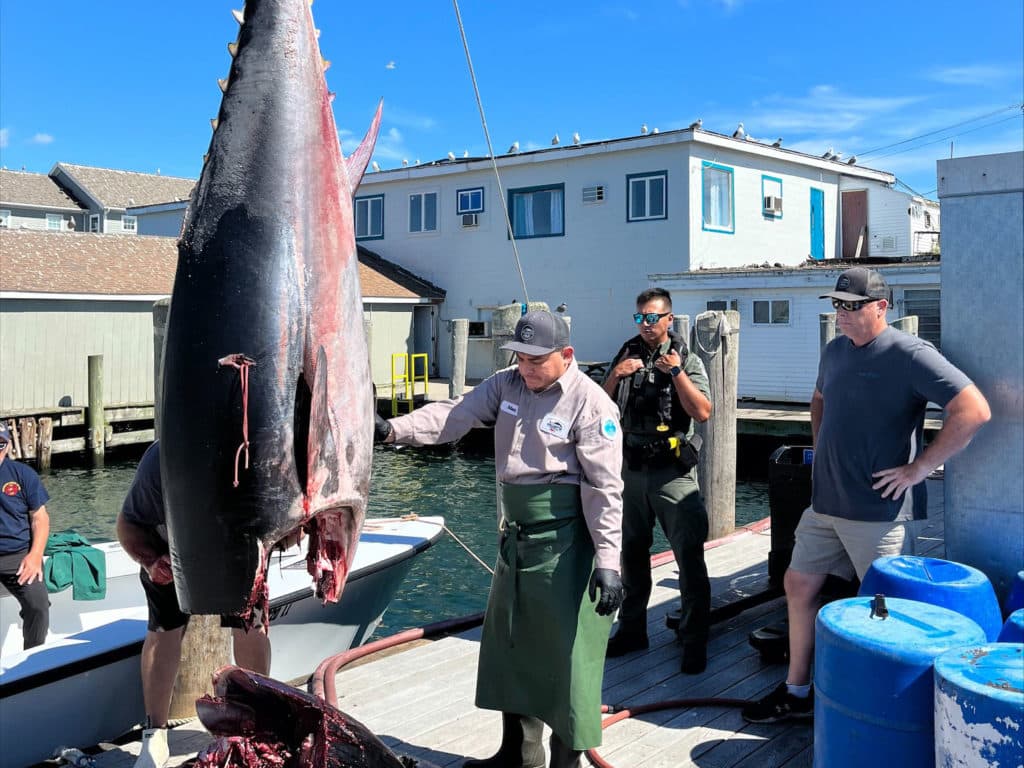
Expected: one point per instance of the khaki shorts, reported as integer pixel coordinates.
(826, 544)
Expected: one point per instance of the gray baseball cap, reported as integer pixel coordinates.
(539, 333)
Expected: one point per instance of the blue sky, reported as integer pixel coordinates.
(133, 85)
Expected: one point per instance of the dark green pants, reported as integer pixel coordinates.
(673, 500)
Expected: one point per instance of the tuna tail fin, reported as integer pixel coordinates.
(358, 160)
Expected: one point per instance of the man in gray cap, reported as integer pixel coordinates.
(558, 457)
(24, 529)
(867, 481)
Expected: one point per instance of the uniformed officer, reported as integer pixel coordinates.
(558, 457)
(661, 390)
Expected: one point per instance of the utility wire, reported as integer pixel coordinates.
(490, 151)
(940, 130)
(942, 138)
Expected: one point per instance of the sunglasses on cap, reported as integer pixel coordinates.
(650, 318)
(852, 306)
(3, 444)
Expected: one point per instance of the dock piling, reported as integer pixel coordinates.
(460, 347)
(45, 442)
(96, 428)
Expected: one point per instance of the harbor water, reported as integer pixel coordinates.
(445, 581)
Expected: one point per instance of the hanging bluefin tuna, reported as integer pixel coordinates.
(266, 422)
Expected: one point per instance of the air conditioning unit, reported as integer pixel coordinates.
(772, 204)
(470, 219)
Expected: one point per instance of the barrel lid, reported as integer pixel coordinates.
(992, 670)
(911, 628)
(930, 569)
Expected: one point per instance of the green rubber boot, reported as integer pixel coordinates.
(521, 744)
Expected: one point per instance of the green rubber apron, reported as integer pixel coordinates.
(543, 645)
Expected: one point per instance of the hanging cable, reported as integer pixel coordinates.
(938, 130)
(490, 150)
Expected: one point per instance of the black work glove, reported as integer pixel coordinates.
(611, 591)
(382, 429)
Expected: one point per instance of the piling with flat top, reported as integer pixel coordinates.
(716, 341)
(827, 329)
(45, 442)
(460, 348)
(96, 428)
(206, 646)
(908, 324)
(27, 427)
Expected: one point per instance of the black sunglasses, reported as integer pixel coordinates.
(3, 444)
(650, 318)
(852, 306)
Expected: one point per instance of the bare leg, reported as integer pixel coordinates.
(161, 653)
(802, 593)
(252, 649)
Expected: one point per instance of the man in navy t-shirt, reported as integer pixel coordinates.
(24, 529)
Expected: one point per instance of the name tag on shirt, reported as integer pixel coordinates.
(553, 425)
(510, 408)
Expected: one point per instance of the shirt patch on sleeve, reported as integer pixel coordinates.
(510, 408)
(609, 428)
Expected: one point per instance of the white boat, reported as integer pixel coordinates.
(83, 687)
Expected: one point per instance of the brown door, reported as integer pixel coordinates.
(855, 224)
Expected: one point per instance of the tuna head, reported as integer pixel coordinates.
(266, 421)
(260, 721)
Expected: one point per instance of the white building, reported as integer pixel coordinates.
(594, 221)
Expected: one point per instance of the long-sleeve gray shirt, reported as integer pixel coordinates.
(569, 433)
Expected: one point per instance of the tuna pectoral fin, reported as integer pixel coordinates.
(322, 477)
(357, 161)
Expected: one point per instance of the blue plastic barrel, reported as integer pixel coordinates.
(873, 684)
(979, 706)
(1013, 629)
(1015, 600)
(956, 586)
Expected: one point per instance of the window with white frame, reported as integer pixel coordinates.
(54, 222)
(721, 305)
(771, 312)
(470, 200)
(5, 219)
(538, 211)
(647, 196)
(370, 217)
(94, 222)
(717, 197)
(129, 224)
(423, 212)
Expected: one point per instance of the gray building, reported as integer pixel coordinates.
(36, 201)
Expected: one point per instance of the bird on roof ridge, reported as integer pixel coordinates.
(513, 149)
(696, 124)
(555, 140)
(739, 133)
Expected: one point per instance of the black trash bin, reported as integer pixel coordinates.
(789, 494)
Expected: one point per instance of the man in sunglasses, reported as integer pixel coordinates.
(867, 480)
(24, 529)
(661, 390)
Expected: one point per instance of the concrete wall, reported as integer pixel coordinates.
(983, 325)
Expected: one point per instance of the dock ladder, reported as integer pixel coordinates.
(405, 373)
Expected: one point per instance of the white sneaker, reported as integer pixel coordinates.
(154, 752)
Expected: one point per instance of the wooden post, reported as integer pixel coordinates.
(908, 324)
(206, 646)
(681, 325)
(460, 348)
(45, 441)
(27, 427)
(716, 341)
(12, 427)
(826, 330)
(95, 437)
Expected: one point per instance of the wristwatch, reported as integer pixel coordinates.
(675, 371)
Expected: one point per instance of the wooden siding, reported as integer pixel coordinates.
(48, 343)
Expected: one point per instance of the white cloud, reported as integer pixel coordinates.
(390, 65)
(972, 74)
(41, 138)
(5, 137)
(405, 119)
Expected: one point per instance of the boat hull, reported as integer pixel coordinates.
(93, 652)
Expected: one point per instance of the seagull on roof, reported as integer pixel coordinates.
(375, 165)
(451, 156)
(405, 162)
(555, 140)
(643, 129)
(777, 142)
(654, 130)
(561, 307)
(829, 154)
(739, 133)
(576, 137)
(696, 124)
(852, 160)
(513, 149)
(837, 156)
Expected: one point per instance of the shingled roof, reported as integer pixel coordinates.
(113, 265)
(21, 188)
(126, 189)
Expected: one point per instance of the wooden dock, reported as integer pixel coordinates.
(420, 701)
